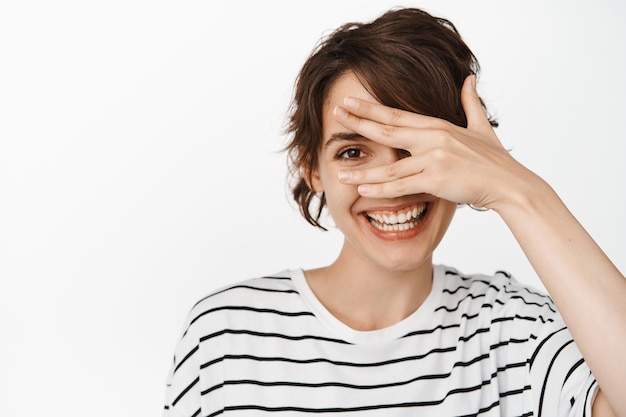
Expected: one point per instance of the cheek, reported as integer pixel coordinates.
(328, 180)
(338, 195)
(446, 214)
(342, 193)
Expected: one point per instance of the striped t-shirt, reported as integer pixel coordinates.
(478, 345)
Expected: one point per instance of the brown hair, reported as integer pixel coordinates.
(406, 58)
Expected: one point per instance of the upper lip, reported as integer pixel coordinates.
(399, 207)
(396, 214)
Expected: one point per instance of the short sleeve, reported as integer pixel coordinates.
(182, 393)
(562, 384)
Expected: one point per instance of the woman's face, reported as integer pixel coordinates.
(397, 234)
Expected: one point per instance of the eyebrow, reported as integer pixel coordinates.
(344, 136)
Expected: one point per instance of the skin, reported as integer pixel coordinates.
(379, 278)
(469, 165)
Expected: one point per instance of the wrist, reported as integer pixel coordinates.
(527, 195)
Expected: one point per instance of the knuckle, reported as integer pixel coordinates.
(355, 176)
(441, 134)
(439, 154)
(392, 170)
(388, 130)
(394, 116)
(399, 187)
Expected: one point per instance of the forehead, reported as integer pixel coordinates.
(347, 85)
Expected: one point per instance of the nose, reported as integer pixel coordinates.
(386, 155)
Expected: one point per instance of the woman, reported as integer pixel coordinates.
(389, 135)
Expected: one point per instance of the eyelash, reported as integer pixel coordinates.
(342, 153)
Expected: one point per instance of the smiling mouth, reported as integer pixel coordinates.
(398, 221)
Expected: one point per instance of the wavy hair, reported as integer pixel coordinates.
(406, 58)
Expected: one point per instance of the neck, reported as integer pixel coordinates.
(365, 296)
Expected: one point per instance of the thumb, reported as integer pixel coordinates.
(474, 112)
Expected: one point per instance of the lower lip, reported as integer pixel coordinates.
(401, 234)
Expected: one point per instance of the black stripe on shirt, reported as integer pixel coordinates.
(587, 398)
(187, 356)
(248, 287)
(472, 296)
(471, 317)
(252, 309)
(360, 408)
(481, 281)
(543, 342)
(506, 274)
(334, 362)
(571, 371)
(545, 381)
(279, 335)
(330, 383)
(515, 391)
(185, 391)
(279, 278)
(370, 364)
(352, 386)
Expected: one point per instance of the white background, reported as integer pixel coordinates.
(140, 167)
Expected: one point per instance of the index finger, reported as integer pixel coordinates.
(389, 115)
(387, 125)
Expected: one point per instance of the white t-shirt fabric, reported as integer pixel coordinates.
(478, 345)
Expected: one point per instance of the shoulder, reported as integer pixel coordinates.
(249, 290)
(242, 304)
(500, 292)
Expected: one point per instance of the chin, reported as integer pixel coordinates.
(406, 262)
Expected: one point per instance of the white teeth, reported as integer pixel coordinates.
(395, 227)
(397, 221)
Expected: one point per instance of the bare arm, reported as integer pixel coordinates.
(589, 291)
(469, 165)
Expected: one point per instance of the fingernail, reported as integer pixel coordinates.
(364, 189)
(340, 113)
(351, 102)
(344, 175)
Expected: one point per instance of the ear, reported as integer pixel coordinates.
(313, 180)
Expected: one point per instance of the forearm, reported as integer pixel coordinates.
(588, 289)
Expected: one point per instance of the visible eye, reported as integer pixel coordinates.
(350, 153)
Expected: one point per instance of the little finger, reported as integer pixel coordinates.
(413, 184)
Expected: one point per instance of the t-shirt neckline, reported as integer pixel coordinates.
(413, 322)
